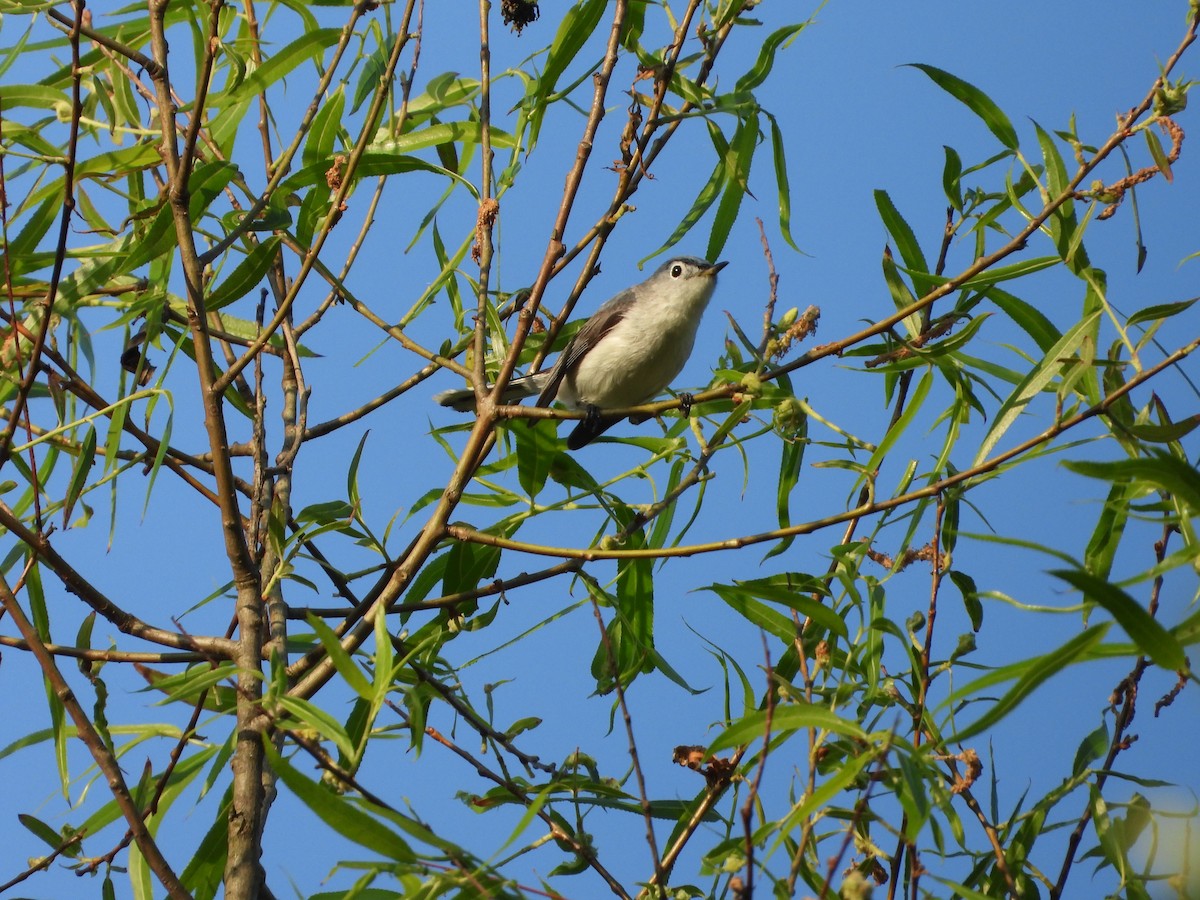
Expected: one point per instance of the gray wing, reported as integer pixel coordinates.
(600, 324)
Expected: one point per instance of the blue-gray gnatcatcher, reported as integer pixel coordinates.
(625, 354)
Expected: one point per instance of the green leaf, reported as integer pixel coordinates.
(203, 874)
(340, 814)
(311, 716)
(758, 73)
(976, 101)
(790, 460)
(326, 126)
(1161, 311)
(308, 45)
(743, 603)
(34, 95)
(1031, 319)
(342, 661)
(1090, 749)
(789, 717)
(577, 25)
(1029, 673)
(1163, 471)
(442, 133)
(247, 275)
(537, 450)
(1007, 273)
(779, 157)
(84, 460)
(738, 160)
(43, 831)
(708, 194)
(1145, 630)
(1034, 383)
(952, 177)
(902, 297)
(1156, 152)
(970, 594)
(906, 240)
(1110, 527)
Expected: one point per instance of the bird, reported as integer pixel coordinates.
(624, 355)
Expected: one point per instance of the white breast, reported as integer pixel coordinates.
(641, 355)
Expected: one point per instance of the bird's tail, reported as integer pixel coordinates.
(463, 400)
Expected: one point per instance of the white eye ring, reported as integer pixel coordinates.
(676, 270)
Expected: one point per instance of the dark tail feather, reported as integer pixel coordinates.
(590, 428)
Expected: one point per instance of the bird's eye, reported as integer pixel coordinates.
(676, 270)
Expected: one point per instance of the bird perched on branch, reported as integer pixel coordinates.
(625, 354)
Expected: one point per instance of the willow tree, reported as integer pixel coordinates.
(259, 573)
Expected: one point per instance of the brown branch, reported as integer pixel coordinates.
(1124, 705)
(963, 478)
(105, 760)
(20, 401)
(660, 874)
(41, 548)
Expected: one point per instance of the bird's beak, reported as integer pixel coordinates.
(711, 271)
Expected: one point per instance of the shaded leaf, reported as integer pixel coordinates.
(976, 101)
(1145, 630)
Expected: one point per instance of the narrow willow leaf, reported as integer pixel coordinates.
(952, 172)
(382, 160)
(1063, 223)
(1031, 319)
(1160, 311)
(790, 460)
(791, 717)
(902, 297)
(576, 27)
(207, 182)
(537, 450)
(443, 133)
(203, 874)
(340, 814)
(44, 832)
(1007, 273)
(1029, 674)
(1033, 384)
(976, 101)
(385, 660)
(758, 73)
(326, 125)
(781, 183)
(35, 95)
(743, 603)
(1156, 152)
(308, 45)
(35, 227)
(970, 594)
(737, 184)
(1161, 471)
(311, 716)
(247, 275)
(792, 590)
(915, 402)
(342, 661)
(1164, 434)
(1090, 749)
(1106, 536)
(84, 461)
(905, 239)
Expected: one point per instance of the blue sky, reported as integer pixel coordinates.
(854, 120)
